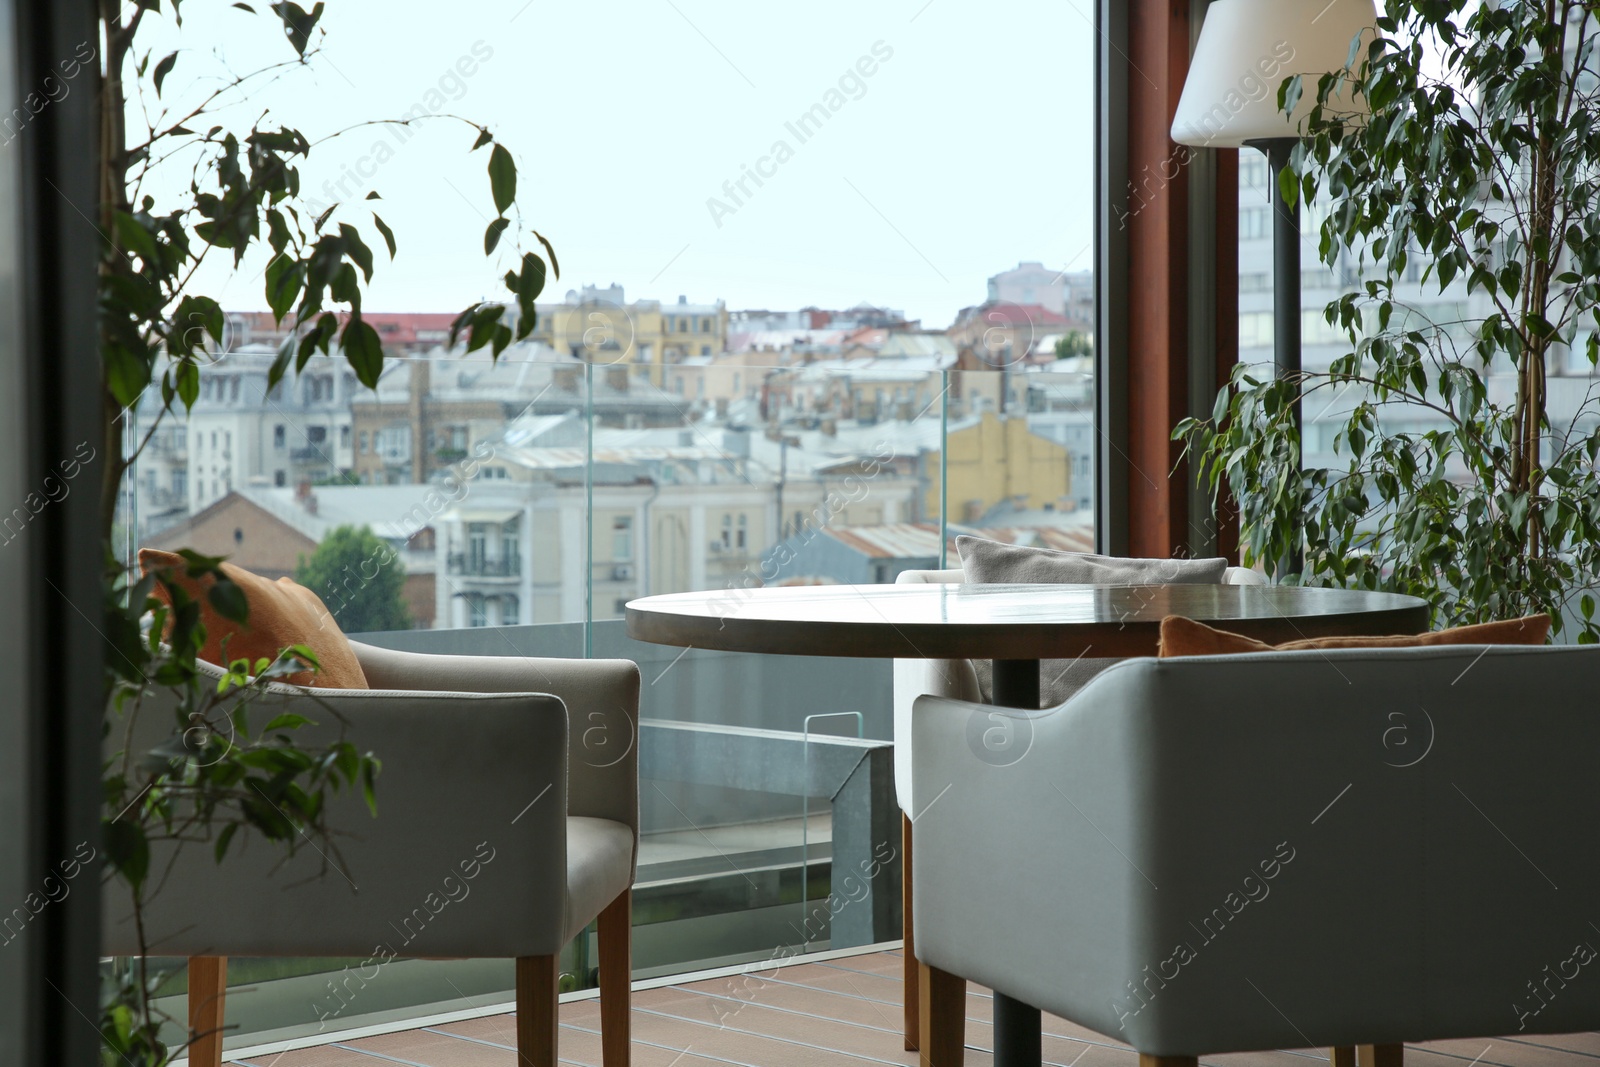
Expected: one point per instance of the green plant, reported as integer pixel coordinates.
(216, 772)
(1073, 343)
(360, 578)
(240, 189)
(1459, 476)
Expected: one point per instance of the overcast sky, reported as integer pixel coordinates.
(966, 149)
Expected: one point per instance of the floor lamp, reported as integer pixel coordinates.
(1230, 100)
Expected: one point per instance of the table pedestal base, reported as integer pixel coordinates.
(1016, 1025)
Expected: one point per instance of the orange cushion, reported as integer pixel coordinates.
(1185, 637)
(282, 613)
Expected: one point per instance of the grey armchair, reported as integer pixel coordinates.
(507, 822)
(962, 680)
(1282, 850)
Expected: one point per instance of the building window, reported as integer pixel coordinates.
(1255, 224)
(279, 437)
(705, 350)
(477, 611)
(363, 442)
(743, 528)
(180, 483)
(344, 437)
(508, 610)
(622, 538)
(317, 435)
(477, 547)
(280, 479)
(705, 325)
(1253, 171)
(727, 530)
(683, 325)
(510, 547)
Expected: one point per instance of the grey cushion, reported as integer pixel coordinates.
(993, 563)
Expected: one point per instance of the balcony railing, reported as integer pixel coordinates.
(480, 567)
(747, 807)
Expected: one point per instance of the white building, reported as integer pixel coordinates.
(238, 436)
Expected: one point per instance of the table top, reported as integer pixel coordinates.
(1002, 621)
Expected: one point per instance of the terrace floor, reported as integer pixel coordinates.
(843, 1010)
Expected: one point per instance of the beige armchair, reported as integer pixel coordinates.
(966, 680)
(507, 822)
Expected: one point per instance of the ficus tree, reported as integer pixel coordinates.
(1464, 470)
(182, 186)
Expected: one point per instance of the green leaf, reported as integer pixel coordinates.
(357, 248)
(374, 195)
(223, 839)
(484, 137)
(298, 24)
(186, 380)
(228, 599)
(285, 277)
(164, 68)
(491, 236)
(555, 264)
(502, 178)
(127, 849)
(388, 234)
(287, 721)
(364, 351)
(136, 238)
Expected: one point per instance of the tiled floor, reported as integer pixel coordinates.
(844, 1011)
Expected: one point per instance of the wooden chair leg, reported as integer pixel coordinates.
(942, 1017)
(616, 979)
(1380, 1055)
(1147, 1060)
(536, 1010)
(208, 983)
(912, 973)
(1342, 1056)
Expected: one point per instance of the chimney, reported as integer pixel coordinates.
(302, 492)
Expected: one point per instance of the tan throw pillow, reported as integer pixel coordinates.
(1185, 637)
(282, 613)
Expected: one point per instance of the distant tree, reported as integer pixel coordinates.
(360, 578)
(1073, 343)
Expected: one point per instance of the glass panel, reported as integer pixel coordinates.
(767, 428)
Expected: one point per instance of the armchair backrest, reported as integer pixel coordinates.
(1409, 827)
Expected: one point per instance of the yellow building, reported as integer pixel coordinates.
(999, 459)
(600, 326)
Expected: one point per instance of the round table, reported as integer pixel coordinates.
(1016, 626)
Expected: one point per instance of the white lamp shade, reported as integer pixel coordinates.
(1247, 48)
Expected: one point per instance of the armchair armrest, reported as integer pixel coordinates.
(602, 699)
(472, 784)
